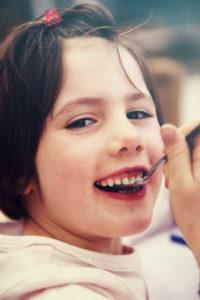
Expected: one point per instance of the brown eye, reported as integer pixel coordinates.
(81, 123)
(137, 114)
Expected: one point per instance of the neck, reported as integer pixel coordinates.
(48, 229)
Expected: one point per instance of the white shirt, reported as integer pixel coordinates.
(33, 267)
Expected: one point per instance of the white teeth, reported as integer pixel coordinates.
(110, 182)
(125, 181)
(117, 182)
(132, 180)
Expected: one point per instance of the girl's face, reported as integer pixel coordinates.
(102, 131)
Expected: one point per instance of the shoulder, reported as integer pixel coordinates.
(49, 268)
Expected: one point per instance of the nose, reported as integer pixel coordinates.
(125, 139)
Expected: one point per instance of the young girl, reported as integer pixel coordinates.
(78, 125)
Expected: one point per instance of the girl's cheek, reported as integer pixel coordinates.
(155, 144)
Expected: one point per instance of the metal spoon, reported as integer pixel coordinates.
(147, 177)
(190, 141)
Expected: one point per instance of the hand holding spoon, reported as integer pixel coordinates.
(190, 141)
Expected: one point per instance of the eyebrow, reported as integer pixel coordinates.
(78, 102)
(97, 101)
(137, 96)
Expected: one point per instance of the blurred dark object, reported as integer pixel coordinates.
(12, 13)
(170, 12)
(167, 75)
(181, 43)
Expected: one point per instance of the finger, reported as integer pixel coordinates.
(187, 128)
(166, 176)
(179, 165)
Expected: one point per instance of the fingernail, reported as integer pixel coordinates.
(169, 135)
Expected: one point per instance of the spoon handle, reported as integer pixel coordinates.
(190, 137)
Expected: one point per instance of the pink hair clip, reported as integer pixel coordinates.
(52, 17)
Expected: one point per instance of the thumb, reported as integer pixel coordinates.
(178, 165)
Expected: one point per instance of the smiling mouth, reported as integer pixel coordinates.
(122, 183)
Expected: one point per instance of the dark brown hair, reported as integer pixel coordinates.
(30, 80)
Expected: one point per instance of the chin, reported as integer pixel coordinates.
(138, 226)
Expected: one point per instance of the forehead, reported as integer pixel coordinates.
(87, 53)
(91, 67)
